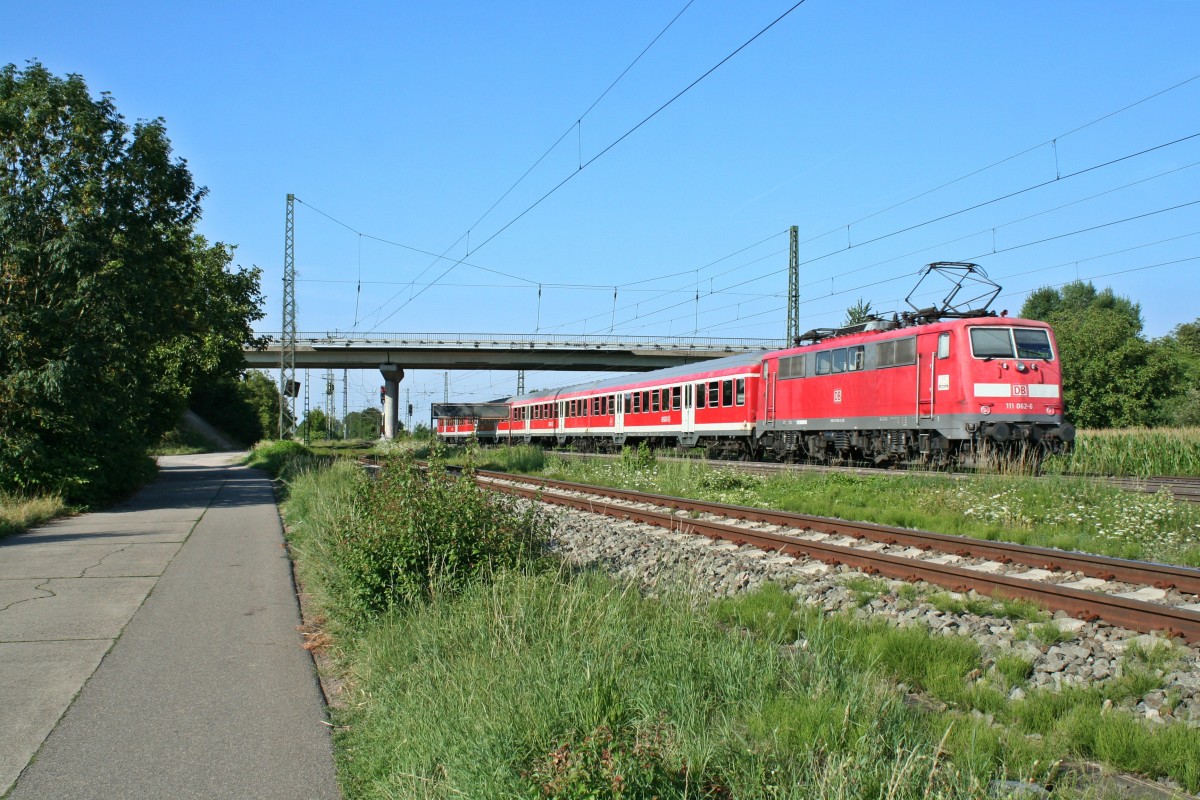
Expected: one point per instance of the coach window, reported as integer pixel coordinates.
(714, 394)
(825, 362)
(612, 404)
(687, 396)
(676, 395)
(654, 401)
(727, 393)
(944, 345)
(739, 389)
(701, 395)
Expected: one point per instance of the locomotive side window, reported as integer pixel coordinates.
(839, 360)
(791, 367)
(944, 345)
(701, 395)
(824, 363)
(714, 394)
(727, 393)
(1033, 343)
(906, 351)
(885, 354)
(676, 395)
(856, 357)
(740, 391)
(991, 342)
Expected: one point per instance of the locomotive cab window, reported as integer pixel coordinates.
(991, 342)
(944, 345)
(1033, 343)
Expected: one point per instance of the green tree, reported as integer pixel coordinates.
(1112, 376)
(365, 424)
(111, 308)
(1184, 409)
(858, 313)
(315, 425)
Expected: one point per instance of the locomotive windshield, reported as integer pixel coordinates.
(994, 342)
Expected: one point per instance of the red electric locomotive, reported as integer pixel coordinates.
(934, 385)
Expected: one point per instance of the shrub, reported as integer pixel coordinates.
(418, 533)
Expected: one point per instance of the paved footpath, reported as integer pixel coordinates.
(151, 651)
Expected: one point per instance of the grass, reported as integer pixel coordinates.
(1068, 513)
(989, 731)
(19, 513)
(182, 441)
(532, 682)
(1133, 452)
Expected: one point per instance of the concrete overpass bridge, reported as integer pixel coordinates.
(392, 353)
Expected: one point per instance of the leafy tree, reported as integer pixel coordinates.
(1112, 376)
(111, 308)
(858, 313)
(364, 424)
(245, 407)
(315, 425)
(1184, 409)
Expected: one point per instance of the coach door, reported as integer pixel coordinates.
(688, 412)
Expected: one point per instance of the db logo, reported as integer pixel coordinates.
(1020, 391)
(837, 395)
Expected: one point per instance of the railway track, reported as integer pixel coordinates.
(1136, 595)
(1183, 488)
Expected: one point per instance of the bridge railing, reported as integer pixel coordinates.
(542, 341)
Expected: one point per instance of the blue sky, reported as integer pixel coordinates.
(407, 122)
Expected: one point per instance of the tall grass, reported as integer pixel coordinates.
(553, 686)
(19, 513)
(1133, 452)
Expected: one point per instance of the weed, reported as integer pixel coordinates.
(17, 512)
(1014, 669)
(1048, 633)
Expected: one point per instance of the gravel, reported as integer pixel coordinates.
(1090, 653)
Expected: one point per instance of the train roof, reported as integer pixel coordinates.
(684, 370)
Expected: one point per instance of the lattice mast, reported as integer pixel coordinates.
(287, 342)
(793, 301)
(330, 405)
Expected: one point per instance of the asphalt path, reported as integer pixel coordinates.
(151, 651)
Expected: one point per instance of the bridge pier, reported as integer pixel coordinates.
(392, 375)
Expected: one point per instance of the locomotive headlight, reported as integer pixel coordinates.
(1050, 410)
(985, 410)
(1021, 367)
